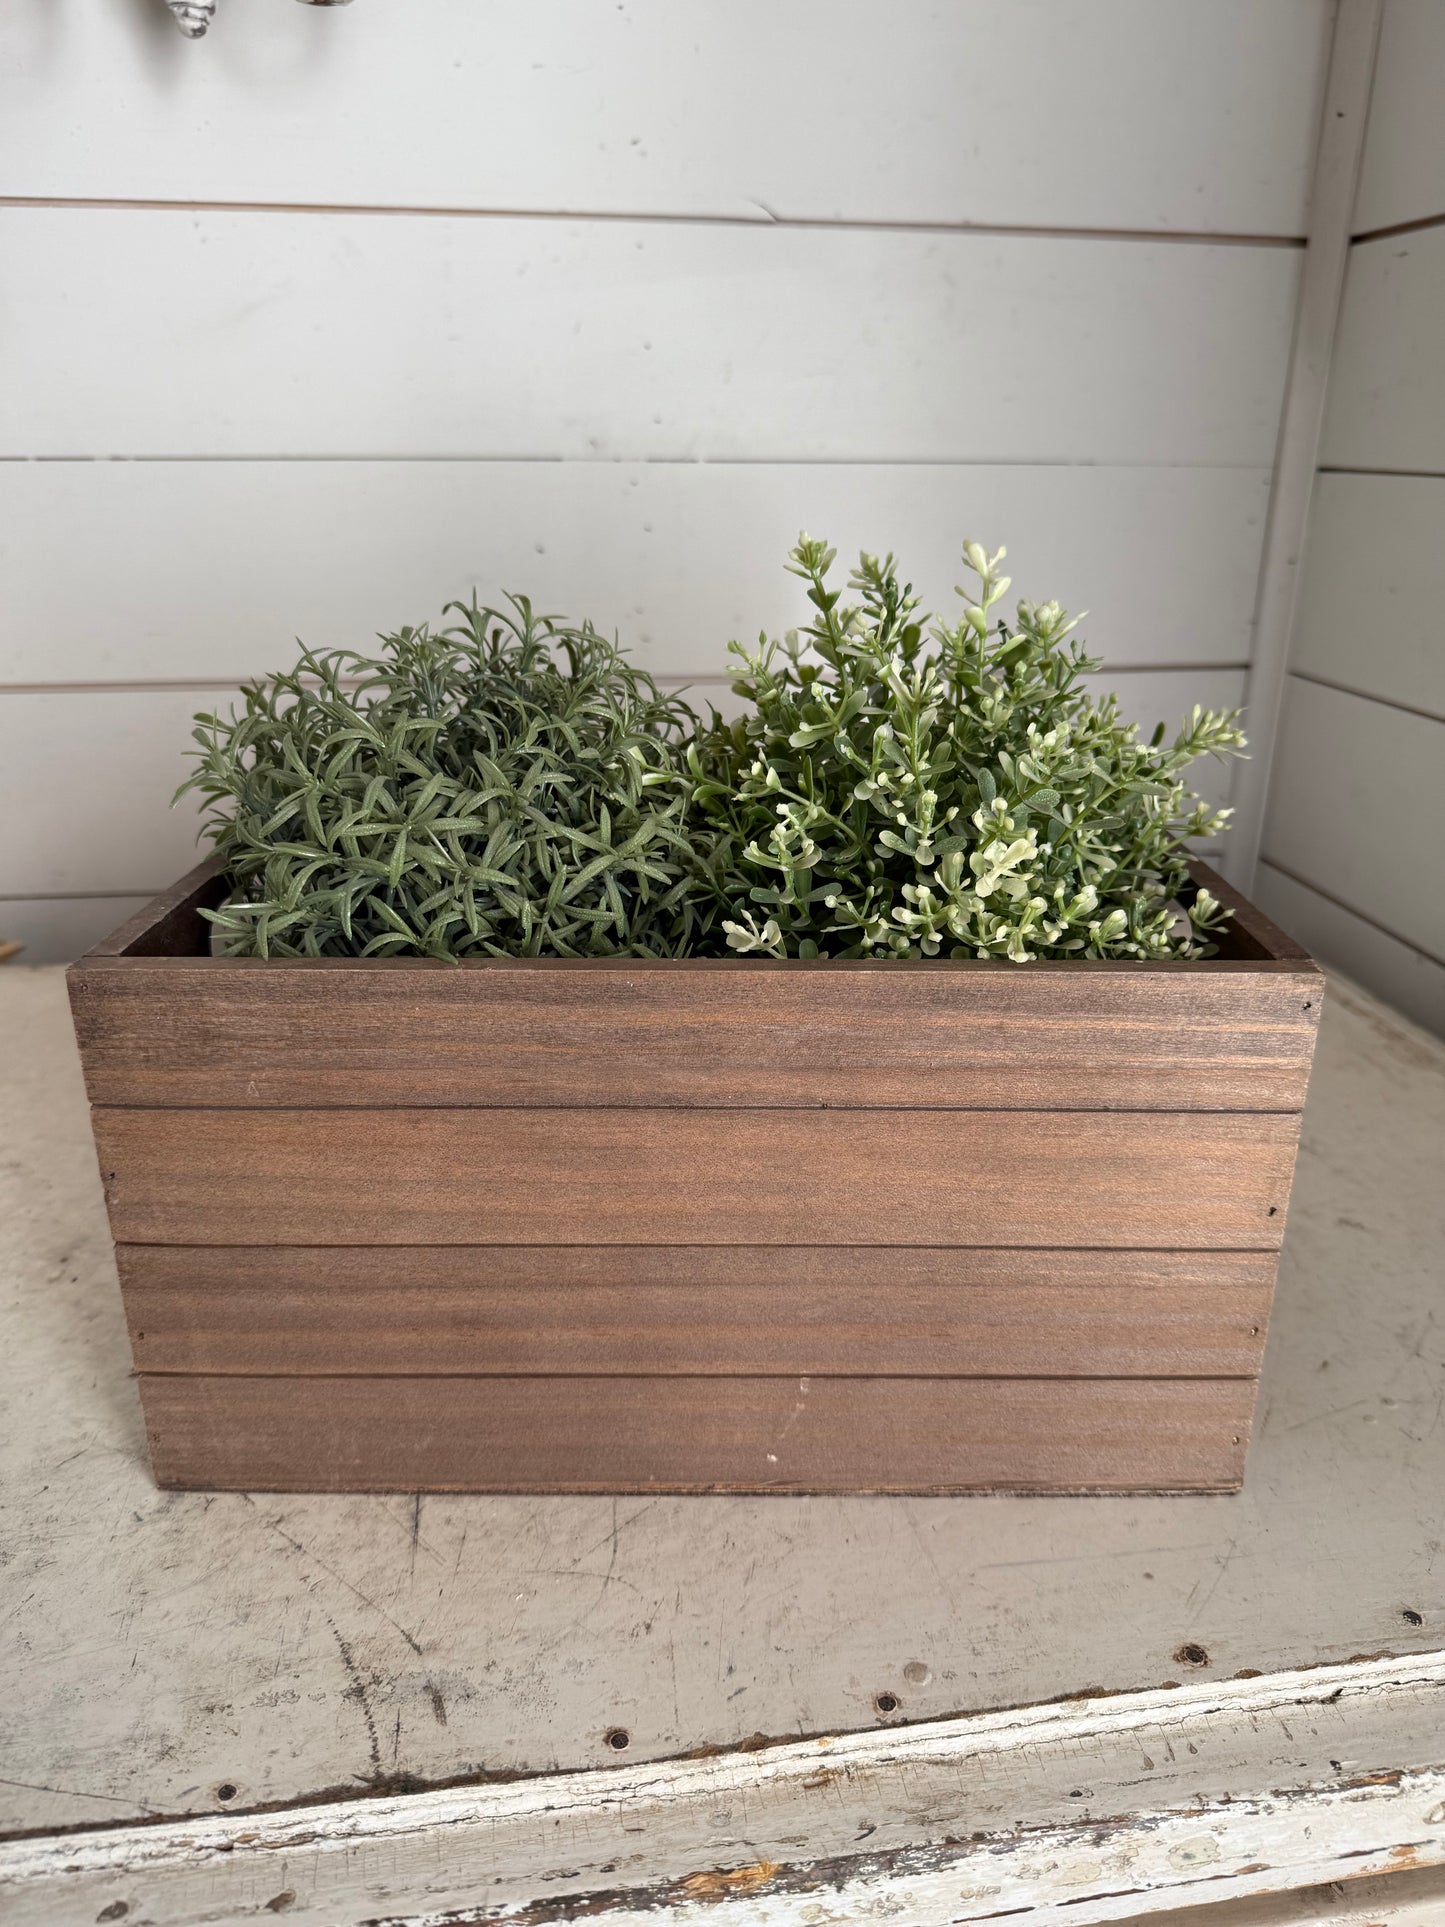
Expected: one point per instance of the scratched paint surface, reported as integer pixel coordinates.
(174, 1653)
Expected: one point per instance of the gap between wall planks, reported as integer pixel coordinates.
(1067, 1813)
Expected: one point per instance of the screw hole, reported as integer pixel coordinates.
(1274, 1211)
(619, 1739)
(1309, 1006)
(225, 1791)
(1411, 1617)
(1254, 1331)
(1192, 1655)
(886, 1703)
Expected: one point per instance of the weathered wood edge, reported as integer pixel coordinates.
(1048, 1813)
(169, 924)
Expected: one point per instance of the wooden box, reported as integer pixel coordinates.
(722, 1225)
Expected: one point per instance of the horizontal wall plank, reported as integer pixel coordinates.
(56, 929)
(1357, 807)
(1386, 405)
(1372, 587)
(1402, 177)
(1403, 977)
(132, 746)
(675, 106)
(734, 1034)
(211, 569)
(767, 1311)
(1098, 1179)
(608, 1434)
(284, 334)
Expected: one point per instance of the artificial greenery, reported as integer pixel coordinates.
(508, 787)
(900, 793)
(513, 786)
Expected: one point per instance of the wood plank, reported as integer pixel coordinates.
(614, 1434)
(771, 1311)
(256, 553)
(625, 340)
(171, 924)
(1204, 1791)
(1357, 809)
(1100, 1179)
(1374, 630)
(1403, 176)
(706, 1033)
(1387, 382)
(753, 113)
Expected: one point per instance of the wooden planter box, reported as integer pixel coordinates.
(737, 1225)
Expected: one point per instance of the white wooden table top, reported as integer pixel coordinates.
(177, 1654)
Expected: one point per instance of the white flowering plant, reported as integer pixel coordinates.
(901, 789)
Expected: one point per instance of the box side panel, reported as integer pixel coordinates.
(171, 1032)
(394, 1177)
(307, 1310)
(611, 1434)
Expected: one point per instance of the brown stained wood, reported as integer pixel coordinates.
(394, 1177)
(607, 1434)
(712, 1033)
(279, 1310)
(171, 925)
(1249, 932)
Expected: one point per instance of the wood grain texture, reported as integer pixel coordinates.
(634, 340)
(609, 1434)
(761, 1310)
(1222, 1035)
(1128, 1179)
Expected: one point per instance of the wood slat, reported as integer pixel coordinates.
(1387, 377)
(626, 340)
(1357, 808)
(822, 109)
(392, 1177)
(720, 1032)
(760, 1310)
(605, 1434)
(675, 557)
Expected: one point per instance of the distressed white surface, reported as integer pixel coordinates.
(1049, 1813)
(210, 569)
(289, 334)
(1374, 586)
(1359, 808)
(129, 745)
(1404, 173)
(1041, 112)
(160, 1645)
(1387, 388)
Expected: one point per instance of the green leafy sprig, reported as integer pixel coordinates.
(958, 793)
(508, 787)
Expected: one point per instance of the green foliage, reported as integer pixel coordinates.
(901, 795)
(509, 787)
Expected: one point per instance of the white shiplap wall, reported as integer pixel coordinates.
(1353, 841)
(320, 321)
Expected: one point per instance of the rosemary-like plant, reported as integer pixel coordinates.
(508, 787)
(900, 794)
